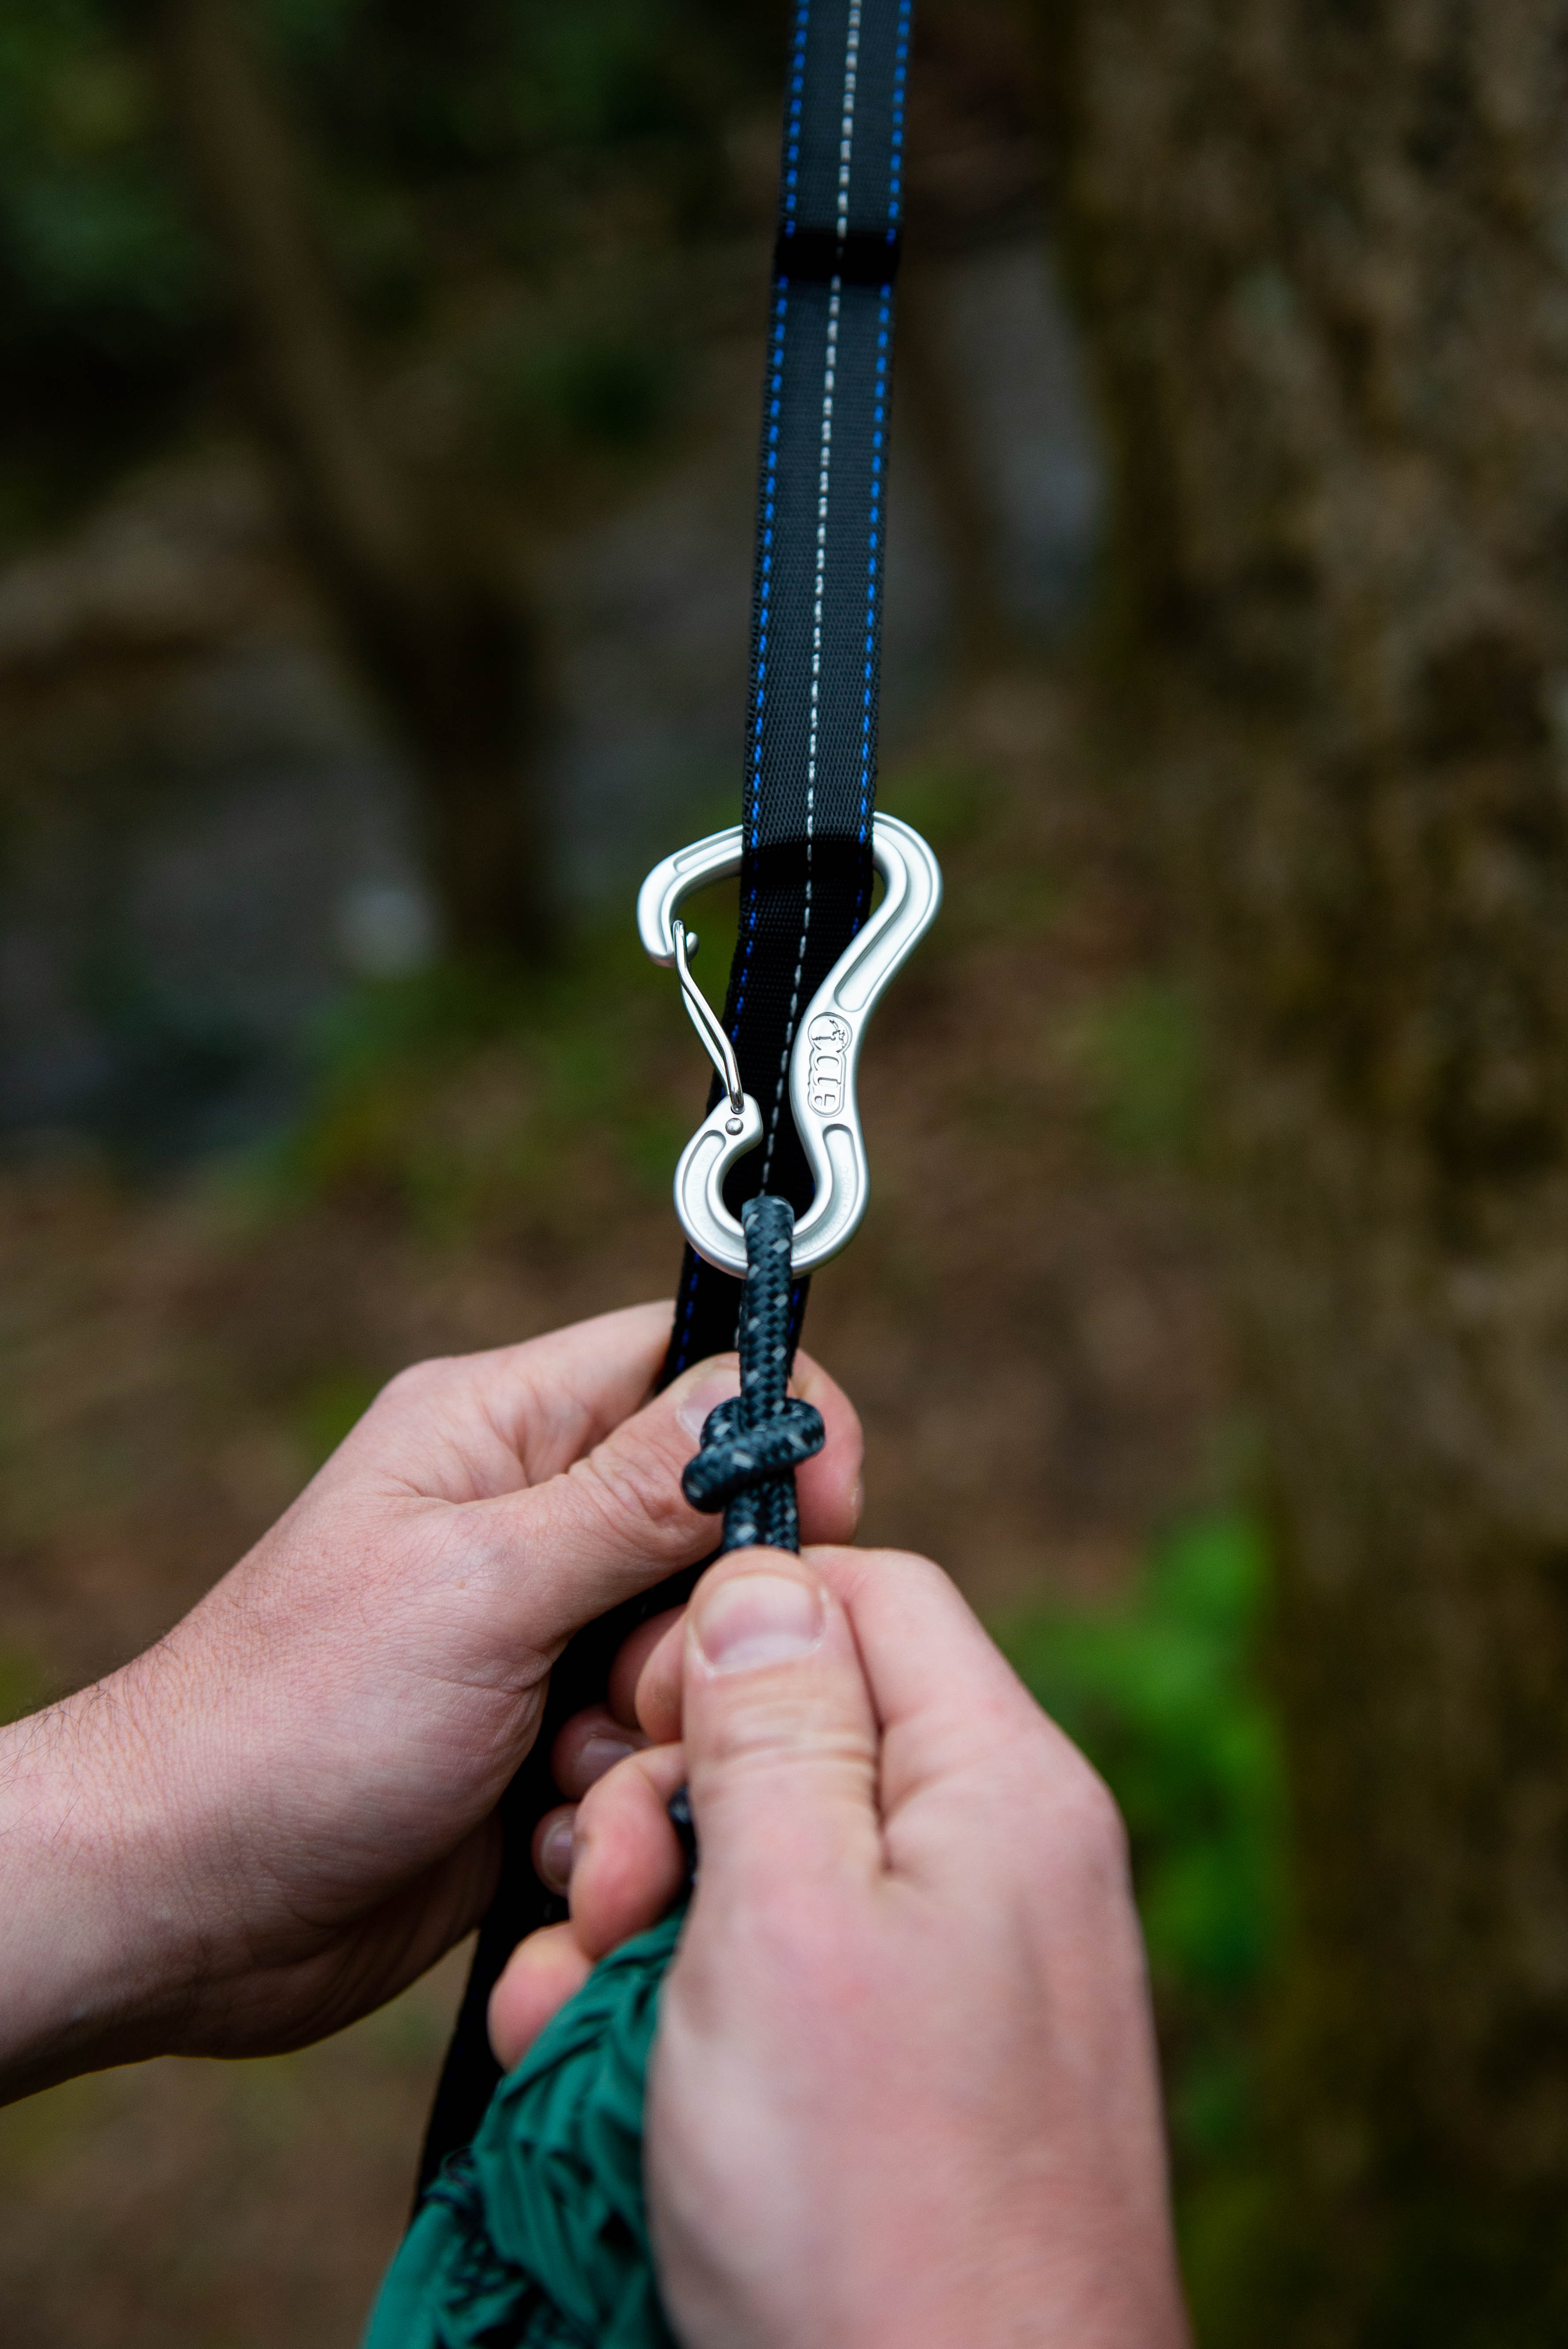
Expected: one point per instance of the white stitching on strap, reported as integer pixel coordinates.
(846, 140)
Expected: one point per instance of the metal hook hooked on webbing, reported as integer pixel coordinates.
(823, 1060)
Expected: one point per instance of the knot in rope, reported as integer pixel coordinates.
(752, 1444)
(734, 1460)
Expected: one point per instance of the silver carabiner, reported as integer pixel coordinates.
(825, 1056)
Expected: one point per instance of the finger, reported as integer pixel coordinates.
(587, 1745)
(616, 1521)
(927, 1657)
(472, 1426)
(956, 1721)
(627, 1668)
(646, 1685)
(780, 1737)
(827, 1486)
(551, 1847)
(539, 1976)
(661, 1682)
(628, 1865)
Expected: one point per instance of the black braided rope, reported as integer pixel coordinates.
(752, 1446)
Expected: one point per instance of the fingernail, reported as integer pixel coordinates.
(756, 1620)
(601, 1753)
(555, 1855)
(719, 1386)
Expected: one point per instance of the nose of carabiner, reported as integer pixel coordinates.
(824, 1059)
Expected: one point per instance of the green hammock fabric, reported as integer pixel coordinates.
(536, 2237)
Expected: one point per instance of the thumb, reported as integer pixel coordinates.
(780, 1736)
(616, 1522)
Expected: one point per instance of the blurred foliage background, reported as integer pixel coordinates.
(377, 414)
(281, 1109)
(527, 157)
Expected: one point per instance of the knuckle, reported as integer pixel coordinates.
(774, 1730)
(1087, 1822)
(633, 1482)
(418, 1382)
(623, 1793)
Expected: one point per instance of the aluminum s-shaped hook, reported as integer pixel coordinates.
(823, 1062)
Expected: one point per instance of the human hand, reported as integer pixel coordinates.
(283, 1813)
(904, 2088)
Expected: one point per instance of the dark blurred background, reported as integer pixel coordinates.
(379, 399)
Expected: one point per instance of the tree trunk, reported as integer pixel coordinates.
(1321, 246)
(438, 632)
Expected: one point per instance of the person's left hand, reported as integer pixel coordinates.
(283, 1813)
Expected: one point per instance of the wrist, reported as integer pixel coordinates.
(97, 1955)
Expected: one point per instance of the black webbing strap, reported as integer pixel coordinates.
(810, 770)
(816, 610)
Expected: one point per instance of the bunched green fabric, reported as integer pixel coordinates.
(536, 2237)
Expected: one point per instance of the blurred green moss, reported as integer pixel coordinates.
(326, 1410)
(1142, 1051)
(944, 801)
(596, 390)
(23, 1684)
(474, 1103)
(1161, 1694)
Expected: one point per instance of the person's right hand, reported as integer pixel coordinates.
(904, 2088)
